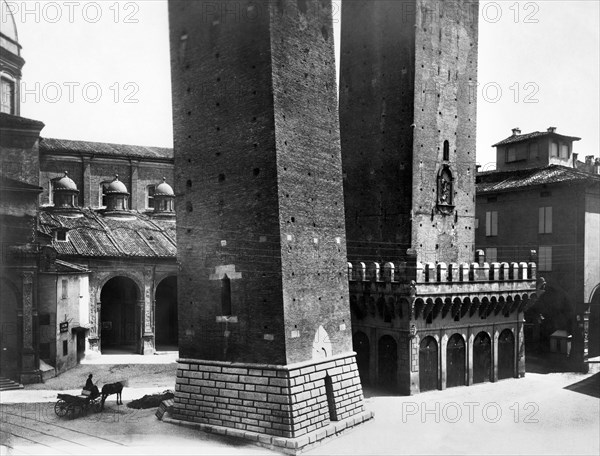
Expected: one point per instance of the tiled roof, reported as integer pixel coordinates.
(94, 235)
(53, 145)
(6, 183)
(536, 134)
(63, 266)
(498, 181)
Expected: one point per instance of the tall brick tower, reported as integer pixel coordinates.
(407, 114)
(265, 339)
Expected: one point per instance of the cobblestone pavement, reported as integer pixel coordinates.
(555, 413)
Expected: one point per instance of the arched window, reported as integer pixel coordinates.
(446, 150)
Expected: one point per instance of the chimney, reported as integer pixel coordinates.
(597, 166)
(516, 131)
(575, 155)
(551, 129)
(589, 160)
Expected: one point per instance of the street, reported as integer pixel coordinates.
(552, 413)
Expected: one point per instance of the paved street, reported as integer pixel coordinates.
(555, 413)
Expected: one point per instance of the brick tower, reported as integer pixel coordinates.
(424, 314)
(407, 114)
(265, 337)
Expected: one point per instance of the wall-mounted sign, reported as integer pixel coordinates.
(64, 326)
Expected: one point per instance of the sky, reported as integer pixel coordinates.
(100, 71)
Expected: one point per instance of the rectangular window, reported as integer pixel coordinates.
(476, 223)
(491, 223)
(491, 255)
(7, 96)
(150, 189)
(65, 288)
(564, 151)
(65, 347)
(102, 193)
(553, 149)
(545, 258)
(61, 235)
(533, 151)
(511, 155)
(545, 220)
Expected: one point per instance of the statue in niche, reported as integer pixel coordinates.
(445, 199)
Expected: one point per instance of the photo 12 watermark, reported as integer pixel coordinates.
(78, 92)
(469, 412)
(69, 12)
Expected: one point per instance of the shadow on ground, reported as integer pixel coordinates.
(589, 386)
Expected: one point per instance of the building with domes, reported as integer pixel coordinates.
(87, 231)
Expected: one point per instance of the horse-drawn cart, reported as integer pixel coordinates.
(71, 406)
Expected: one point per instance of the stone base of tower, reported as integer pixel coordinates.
(289, 407)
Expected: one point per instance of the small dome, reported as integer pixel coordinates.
(64, 183)
(164, 189)
(116, 186)
(9, 27)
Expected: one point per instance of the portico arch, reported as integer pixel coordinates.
(119, 324)
(165, 314)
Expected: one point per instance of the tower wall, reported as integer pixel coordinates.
(265, 335)
(408, 74)
(445, 110)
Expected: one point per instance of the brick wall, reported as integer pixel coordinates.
(284, 401)
(257, 165)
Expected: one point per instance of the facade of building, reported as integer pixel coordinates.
(88, 259)
(542, 198)
(427, 313)
(265, 345)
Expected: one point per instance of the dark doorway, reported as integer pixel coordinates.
(428, 364)
(165, 321)
(80, 345)
(388, 362)
(455, 361)
(482, 358)
(118, 330)
(9, 333)
(360, 344)
(506, 354)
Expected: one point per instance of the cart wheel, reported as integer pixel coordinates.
(60, 408)
(97, 406)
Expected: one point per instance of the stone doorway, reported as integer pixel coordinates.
(9, 332)
(388, 362)
(482, 358)
(165, 315)
(455, 361)
(119, 328)
(428, 364)
(506, 354)
(360, 344)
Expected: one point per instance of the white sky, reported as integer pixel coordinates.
(123, 49)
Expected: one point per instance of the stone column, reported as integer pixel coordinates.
(29, 370)
(443, 361)
(470, 338)
(520, 347)
(495, 337)
(145, 311)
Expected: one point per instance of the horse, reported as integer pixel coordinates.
(112, 388)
